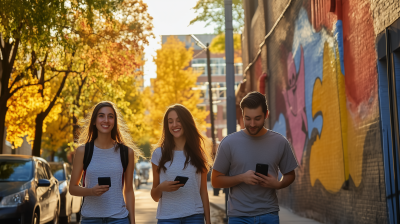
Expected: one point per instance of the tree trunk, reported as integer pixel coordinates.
(9, 52)
(3, 112)
(52, 156)
(37, 142)
(75, 128)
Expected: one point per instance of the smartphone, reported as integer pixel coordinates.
(181, 179)
(262, 168)
(104, 181)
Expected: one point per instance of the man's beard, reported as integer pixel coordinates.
(259, 128)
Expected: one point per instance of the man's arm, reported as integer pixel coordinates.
(272, 182)
(220, 180)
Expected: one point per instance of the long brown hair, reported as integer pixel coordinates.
(195, 147)
(120, 132)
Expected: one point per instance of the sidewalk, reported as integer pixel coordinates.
(285, 216)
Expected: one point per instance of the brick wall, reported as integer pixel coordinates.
(326, 103)
(384, 13)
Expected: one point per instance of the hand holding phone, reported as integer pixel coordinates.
(104, 181)
(170, 186)
(99, 190)
(181, 179)
(262, 168)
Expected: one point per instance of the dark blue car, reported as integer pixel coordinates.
(28, 190)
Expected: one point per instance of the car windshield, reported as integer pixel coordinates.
(58, 171)
(11, 171)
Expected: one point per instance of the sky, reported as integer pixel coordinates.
(170, 17)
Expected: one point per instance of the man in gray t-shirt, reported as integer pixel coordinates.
(253, 194)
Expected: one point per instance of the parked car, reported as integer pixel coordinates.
(69, 204)
(136, 180)
(143, 170)
(28, 191)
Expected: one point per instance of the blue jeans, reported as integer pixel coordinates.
(89, 220)
(193, 219)
(269, 218)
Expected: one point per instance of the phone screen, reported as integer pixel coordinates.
(104, 181)
(181, 179)
(262, 168)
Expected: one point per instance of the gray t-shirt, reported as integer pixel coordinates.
(239, 153)
(187, 200)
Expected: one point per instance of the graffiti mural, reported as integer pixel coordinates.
(322, 91)
(295, 105)
(318, 108)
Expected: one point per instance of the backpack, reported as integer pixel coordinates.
(89, 147)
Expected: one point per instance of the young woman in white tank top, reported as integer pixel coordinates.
(181, 152)
(103, 204)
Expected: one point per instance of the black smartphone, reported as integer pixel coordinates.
(262, 168)
(181, 179)
(104, 181)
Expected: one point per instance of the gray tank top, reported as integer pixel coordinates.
(105, 163)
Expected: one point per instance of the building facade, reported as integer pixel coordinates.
(199, 64)
(332, 86)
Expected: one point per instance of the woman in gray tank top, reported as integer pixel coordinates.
(181, 152)
(105, 128)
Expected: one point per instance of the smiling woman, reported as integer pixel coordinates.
(180, 167)
(105, 143)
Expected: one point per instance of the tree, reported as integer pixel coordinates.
(218, 46)
(175, 83)
(93, 48)
(29, 25)
(212, 12)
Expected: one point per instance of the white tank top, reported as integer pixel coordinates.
(187, 200)
(111, 204)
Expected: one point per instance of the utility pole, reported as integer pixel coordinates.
(210, 99)
(230, 79)
(200, 44)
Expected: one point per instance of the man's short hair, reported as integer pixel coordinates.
(253, 100)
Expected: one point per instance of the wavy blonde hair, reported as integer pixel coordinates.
(120, 132)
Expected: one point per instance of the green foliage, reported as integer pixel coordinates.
(212, 12)
(146, 148)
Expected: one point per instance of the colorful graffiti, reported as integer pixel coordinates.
(319, 112)
(295, 105)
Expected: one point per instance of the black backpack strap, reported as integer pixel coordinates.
(123, 149)
(89, 147)
(124, 154)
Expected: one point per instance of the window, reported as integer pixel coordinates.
(215, 111)
(58, 171)
(48, 171)
(224, 132)
(238, 69)
(15, 170)
(224, 113)
(199, 65)
(41, 172)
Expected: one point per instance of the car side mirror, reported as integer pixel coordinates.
(43, 183)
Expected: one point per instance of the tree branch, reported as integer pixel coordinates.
(51, 105)
(31, 84)
(69, 71)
